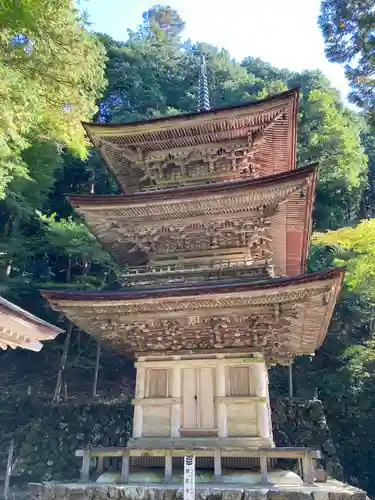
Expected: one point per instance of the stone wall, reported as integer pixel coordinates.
(327, 491)
(47, 436)
(297, 422)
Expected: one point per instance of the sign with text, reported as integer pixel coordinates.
(189, 478)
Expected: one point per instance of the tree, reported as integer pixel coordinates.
(348, 30)
(51, 73)
(355, 248)
(162, 20)
(328, 133)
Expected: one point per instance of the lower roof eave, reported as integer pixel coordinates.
(114, 316)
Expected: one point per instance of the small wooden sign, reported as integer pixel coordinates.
(189, 478)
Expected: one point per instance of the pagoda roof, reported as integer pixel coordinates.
(281, 317)
(120, 221)
(19, 328)
(274, 119)
(168, 195)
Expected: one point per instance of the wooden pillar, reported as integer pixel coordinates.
(263, 413)
(125, 467)
(138, 408)
(168, 468)
(221, 408)
(85, 469)
(217, 467)
(176, 407)
(100, 465)
(264, 469)
(308, 469)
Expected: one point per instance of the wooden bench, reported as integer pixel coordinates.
(306, 457)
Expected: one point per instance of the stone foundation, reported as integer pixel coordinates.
(46, 437)
(331, 490)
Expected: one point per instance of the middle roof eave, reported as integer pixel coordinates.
(200, 190)
(270, 286)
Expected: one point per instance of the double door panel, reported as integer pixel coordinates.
(198, 404)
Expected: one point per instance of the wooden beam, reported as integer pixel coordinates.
(160, 154)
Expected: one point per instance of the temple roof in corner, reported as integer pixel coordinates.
(261, 135)
(19, 328)
(282, 318)
(162, 225)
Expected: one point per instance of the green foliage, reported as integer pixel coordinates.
(51, 73)
(355, 248)
(328, 133)
(348, 30)
(331, 135)
(74, 239)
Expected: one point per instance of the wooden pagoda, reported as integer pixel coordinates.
(212, 231)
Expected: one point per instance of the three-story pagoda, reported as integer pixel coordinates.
(212, 230)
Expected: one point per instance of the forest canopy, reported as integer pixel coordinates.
(51, 73)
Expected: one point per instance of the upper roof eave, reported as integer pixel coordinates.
(185, 118)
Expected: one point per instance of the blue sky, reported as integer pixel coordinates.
(282, 32)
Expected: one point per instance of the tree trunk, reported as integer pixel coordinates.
(64, 356)
(68, 269)
(15, 225)
(95, 386)
(8, 470)
(371, 324)
(290, 370)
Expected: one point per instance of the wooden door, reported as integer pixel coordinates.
(189, 398)
(198, 399)
(206, 403)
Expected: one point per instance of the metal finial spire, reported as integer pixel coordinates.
(203, 96)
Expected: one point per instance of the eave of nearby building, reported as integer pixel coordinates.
(19, 328)
(122, 146)
(120, 222)
(281, 317)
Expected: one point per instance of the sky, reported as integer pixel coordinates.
(282, 32)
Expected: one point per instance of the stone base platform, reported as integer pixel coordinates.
(330, 490)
